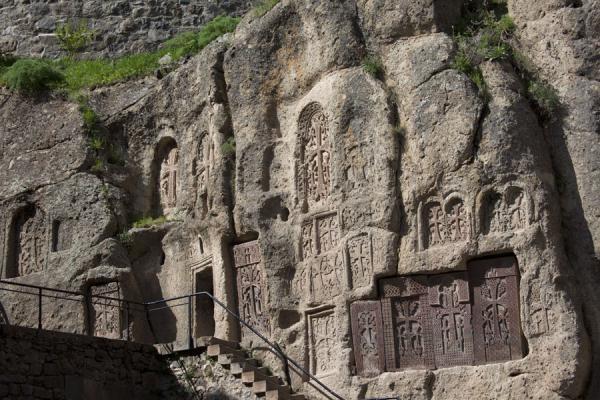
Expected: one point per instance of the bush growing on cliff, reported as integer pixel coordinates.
(31, 76)
(74, 37)
(372, 66)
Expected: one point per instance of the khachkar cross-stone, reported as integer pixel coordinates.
(168, 179)
(367, 331)
(250, 286)
(316, 160)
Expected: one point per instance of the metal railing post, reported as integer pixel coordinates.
(40, 308)
(286, 365)
(190, 333)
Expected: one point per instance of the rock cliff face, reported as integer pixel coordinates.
(27, 28)
(400, 236)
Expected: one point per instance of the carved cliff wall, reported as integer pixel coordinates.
(402, 225)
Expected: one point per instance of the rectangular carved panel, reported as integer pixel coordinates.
(322, 334)
(496, 314)
(327, 228)
(406, 313)
(450, 312)
(327, 276)
(360, 259)
(367, 336)
(105, 313)
(250, 285)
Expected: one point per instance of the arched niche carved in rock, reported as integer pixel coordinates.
(314, 178)
(506, 212)
(168, 174)
(27, 243)
(444, 221)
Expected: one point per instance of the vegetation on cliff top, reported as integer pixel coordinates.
(31, 76)
(264, 7)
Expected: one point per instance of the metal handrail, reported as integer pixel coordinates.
(87, 298)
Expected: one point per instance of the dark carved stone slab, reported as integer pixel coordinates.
(450, 312)
(250, 286)
(406, 314)
(496, 314)
(367, 336)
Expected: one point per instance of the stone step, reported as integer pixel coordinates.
(215, 350)
(205, 341)
(262, 387)
(297, 396)
(239, 366)
(281, 393)
(257, 374)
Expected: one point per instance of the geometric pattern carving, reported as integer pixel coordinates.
(250, 285)
(360, 260)
(168, 179)
(105, 314)
(451, 319)
(446, 222)
(367, 336)
(30, 242)
(505, 213)
(323, 335)
(406, 315)
(496, 313)
(315, 176)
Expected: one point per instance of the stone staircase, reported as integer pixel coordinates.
(246, 370)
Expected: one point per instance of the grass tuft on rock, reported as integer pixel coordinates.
(263, 7)
(31, 76)
(372, 65)
(147, 222)
(228, 148)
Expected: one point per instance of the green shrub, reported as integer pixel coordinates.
(73, 37)
(216, 28)
(263, 7)
(147, 222)
(98, 166)
(96, 143)
(544, 97)
(372, 65)
(228, 148)
(31, 76)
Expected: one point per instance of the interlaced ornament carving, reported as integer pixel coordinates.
(315, 179)
(168, 179)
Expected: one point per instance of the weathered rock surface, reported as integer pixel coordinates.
(339, 214)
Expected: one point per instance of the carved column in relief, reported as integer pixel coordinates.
(367, 336)
(168, 179)
(250, 283)
(29, 242)
(105, 315)
(322, 333)
(496, 313)
(360, 259)
(406, 314)
(451, 319)
(315, 174)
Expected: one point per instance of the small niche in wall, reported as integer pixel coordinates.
(62, 235)
(27, 242)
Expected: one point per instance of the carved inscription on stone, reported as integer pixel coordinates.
(360, 259)
(323, 334)
(168, 179)
(315, 174)
(367, 336)
(451, 319)
(508, 212)
(29, 242)
(327, 276)
(496, 320)
(105, 313)
(445, 222)
(408, 338)
(250, 283)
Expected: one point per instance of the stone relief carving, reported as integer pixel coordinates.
(367, 336)
(322, 332)
(320, 234)
(360, 260)
(451, 319)
(444, 222)
(168, 179)
(357, 169)
(506, 212)
(538, 311)
(105, 313)
(315, 174)
(201, 169)
(251, 287)
(327, 276)
(496, 313)
(197, 255)
(356, 217)
(29, 242)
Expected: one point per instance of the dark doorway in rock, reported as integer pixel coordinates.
(204, 310)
